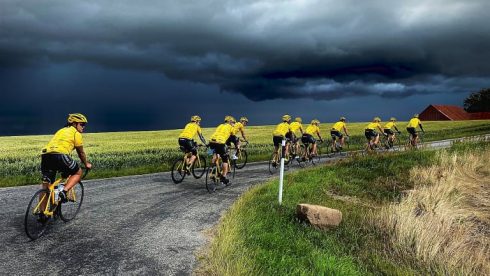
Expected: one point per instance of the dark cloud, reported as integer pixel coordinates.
(264, 49)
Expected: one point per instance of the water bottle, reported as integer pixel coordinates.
(56, 193)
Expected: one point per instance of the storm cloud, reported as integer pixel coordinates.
(264, 50)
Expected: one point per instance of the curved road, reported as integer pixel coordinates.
(141, 224)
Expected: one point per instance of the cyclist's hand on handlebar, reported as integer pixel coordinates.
(88, 165)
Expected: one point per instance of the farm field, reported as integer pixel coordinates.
(403, 213)
(129, 153)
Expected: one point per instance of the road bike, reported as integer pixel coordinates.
(393, 145)
(275, 160)
(418, 143)
(242, 155)
(306, 155)
(334, 147)
(214, 173)
(45, 207)
(180, 168)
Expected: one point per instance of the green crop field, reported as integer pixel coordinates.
(127, 153)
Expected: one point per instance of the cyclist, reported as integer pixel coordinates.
(55, 156)
(387, 129)
(295, 126)
(218, 145)
(186, 139)
(239, 127)
(308, 138)
(370, 132)
(282, 131)
(336, 132)
(411, 128)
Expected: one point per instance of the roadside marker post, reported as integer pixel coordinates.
(281, 171)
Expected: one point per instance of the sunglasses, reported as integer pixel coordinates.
(82, 124)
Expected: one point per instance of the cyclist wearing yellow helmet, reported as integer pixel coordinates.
(282, 131)
(387, 129)
(370, 132)
(308, 136)
(186, 139)
(412, 128)
(336, 131)
(55, 156)
(295, 126)
(238, 127)
(218, 144)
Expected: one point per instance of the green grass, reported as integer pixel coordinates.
(259, 237)
(127, 153)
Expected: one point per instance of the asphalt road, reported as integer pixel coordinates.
(135, 225)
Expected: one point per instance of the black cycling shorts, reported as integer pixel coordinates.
(289, 136)
(412, 131)
(370, 133)
(188, 145)
(335, 134)
(388, 131)
(277, 140)
(219, 149)
(232, 139)
(308, 139)
(53, 163)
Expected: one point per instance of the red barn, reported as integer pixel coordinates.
(450, 113)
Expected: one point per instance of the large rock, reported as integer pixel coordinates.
(319, 216)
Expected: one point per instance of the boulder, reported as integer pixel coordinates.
(319, 216)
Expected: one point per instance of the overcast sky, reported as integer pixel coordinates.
(145, 65)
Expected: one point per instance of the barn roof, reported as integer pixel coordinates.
(453, 112)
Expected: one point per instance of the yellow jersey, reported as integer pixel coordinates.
(281, 129)
(373, 126)
(389, 125)
(338, 126)
(312, 129)
(190, 131)
(64, 141)
(222, 134)
(414, 122)
(295, 126)
(237, 127)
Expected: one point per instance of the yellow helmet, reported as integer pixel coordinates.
(392, 119)
(77, 118)
(416, 115)
(298, 119)
(377, 119)
(195, 118)
(229, 119)
(286, 117)
(343, 118)
(315, 121)
(244, 119)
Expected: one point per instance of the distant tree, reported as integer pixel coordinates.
(478, 101)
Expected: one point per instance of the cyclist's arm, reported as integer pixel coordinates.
(83, 157)
(420, 125)
(319, 136)
(345, 131)
(202, 138)
(381, 130)
(396, 129)
(243, 134)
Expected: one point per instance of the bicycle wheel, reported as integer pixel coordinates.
(69, 209)
(178, 171)
(273, 163)
(242, 159)
(34, 225)
(199, 166)
(211, 179)
(301, 154)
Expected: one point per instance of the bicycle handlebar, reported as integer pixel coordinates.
(85, 172)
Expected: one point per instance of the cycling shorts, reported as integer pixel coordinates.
(233, 139)
(370, 133)
(412, 131)
(277, 140)
(53, 163)
(308, 139)
(219, 149)
(388, 131)
(188, 145)
(335, 134)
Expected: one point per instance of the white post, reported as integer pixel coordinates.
(281, 172)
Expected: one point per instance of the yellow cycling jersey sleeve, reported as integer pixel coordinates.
(281, 129)
(64, 141)
(295, 126)
(312, 129)
(373, 126)
(389, 125)
(414, 122)
(338, 126)
(222, 133)
(237, 128)
(190, 131)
